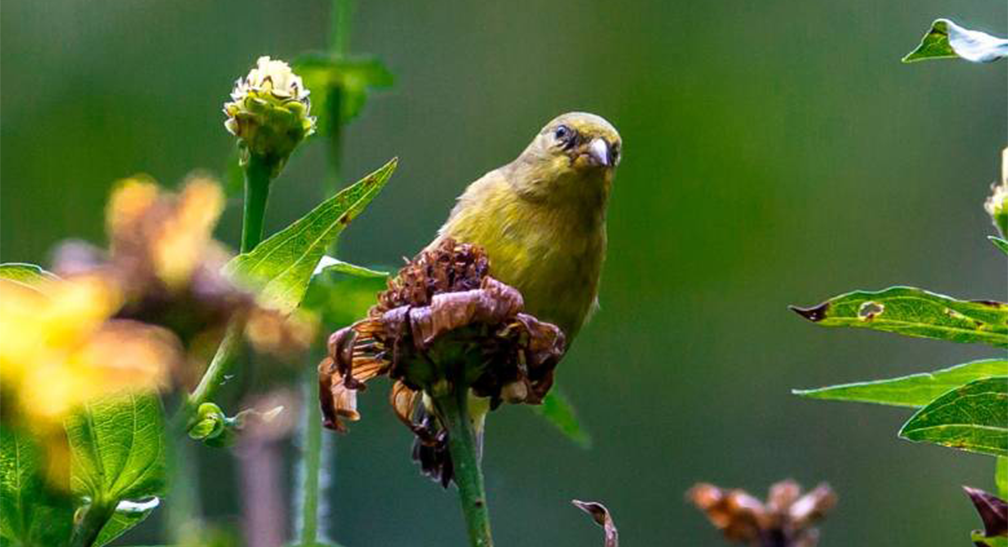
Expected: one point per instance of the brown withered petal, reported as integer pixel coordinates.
(601, 516)
(784, 520)
(992, 509)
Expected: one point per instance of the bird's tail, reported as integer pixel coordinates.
(430, 449)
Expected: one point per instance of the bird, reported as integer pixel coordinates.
(541, 219)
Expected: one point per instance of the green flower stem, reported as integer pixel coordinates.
(220, 367)
(258, 172)
(94, 517)
(453, 409)
(339, 30)
(312, 462)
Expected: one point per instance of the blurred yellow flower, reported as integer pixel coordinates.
(59, 347)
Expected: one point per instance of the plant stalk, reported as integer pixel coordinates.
(258, 172)
(453, 409)
(311, 462)
(86, 530)
(218, 371)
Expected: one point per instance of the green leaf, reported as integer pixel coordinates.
(329, 264)
(915, 390)
(118, 454)
(978, 538)
(28, 275)
(973, 417)
(1001, 476)
(282, 266)
(346, 80)
(915, 312)
(1000, 243)
(948, 40)
(342, 299)
(559, 411)
(32, 511)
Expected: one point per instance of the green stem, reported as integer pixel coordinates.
(453, 409)
(258, 172)
(312, 462)
(339, 29)
(220, 367)
(86, 530)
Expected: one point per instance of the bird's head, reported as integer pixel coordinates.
(573, 156)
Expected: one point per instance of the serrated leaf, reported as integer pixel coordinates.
(559, 411)
(32, 511)
(915, 390)
(947, 40)
(28, 275)
(915, 312)
(972, 417)
(1000, 243)
(118, 454)
(282, 266)
(329, 264)
(350, 77)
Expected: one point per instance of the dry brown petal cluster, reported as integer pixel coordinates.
(786, 518)
(442, 310)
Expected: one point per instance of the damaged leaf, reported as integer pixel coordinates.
(281, 267)
(947, 40)
(973, 417)
(993, 513)
(601, 516)
(915, 312)
(915, 390)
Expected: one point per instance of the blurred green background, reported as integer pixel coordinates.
(775, 153)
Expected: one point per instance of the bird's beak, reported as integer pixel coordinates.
(598, 149)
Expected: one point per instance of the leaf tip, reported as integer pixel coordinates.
(814, 314)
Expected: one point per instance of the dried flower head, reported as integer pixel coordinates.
(997, 204)
(442, 310)
(269, 111)
(167, 266)
(786, 519)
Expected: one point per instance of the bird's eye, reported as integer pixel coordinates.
(562, 133)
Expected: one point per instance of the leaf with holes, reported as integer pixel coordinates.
(282, 266)
(118, 454)
(973, 417)
(915, 312)
(915, 390)
(33, 510)
(947, 40)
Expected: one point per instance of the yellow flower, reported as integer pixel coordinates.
(59, 347)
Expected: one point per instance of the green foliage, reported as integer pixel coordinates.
(282, 266)
(32, 510)
(915, 312)
(1001, 476)
(973, 417)
(26, 274)
(1000, 243)
(915, 390)
(558, 410)
(947, 40)
(329, 264)
(340, 84)
(118, 454)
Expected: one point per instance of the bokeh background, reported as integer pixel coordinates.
(775, 153)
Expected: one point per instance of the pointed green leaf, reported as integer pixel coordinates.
(32, 511)
(948, 40)
(282, 266)
(915, 312)
(118, 454)
(1000, 243)
(329, 264)
(559, 411)
(915, 390)
(28, 275)
(973, 417)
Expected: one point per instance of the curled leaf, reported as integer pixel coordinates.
(601, 516)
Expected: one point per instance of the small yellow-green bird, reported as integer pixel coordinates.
(541, 218)
(541, 221)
